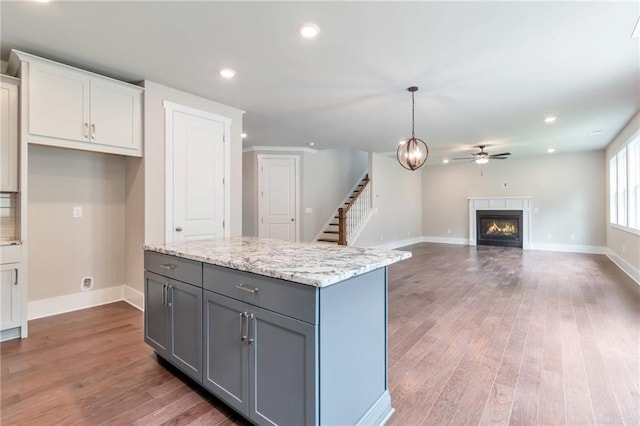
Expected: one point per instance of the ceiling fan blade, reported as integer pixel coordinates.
(500, 155)
(493, 157)
(462, 158)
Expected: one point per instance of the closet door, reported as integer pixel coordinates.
(196, 163)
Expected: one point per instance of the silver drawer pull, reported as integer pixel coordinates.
(243, 335)
(247, 289)
(168, 266)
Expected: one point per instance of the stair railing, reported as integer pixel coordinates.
(351, 217)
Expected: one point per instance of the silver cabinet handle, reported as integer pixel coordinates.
(168, 266)
(178, 228)
(15, 282)
(93, 131)
(164, 295)
(243, 336)
(86, 130)
(241, 286)
(250, 327)
(169, 299)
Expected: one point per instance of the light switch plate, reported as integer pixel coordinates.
(77, 211)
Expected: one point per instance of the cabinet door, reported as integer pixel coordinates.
(185, 303)
(9, 296)
(58, 102)
(226, 351)
(156, 313)
(9, 137)
(282, 372)
(116, 115)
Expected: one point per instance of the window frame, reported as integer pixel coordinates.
(624, 186)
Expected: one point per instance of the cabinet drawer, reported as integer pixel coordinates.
(284, 297)
(185, 270)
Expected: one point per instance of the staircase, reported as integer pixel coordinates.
(349, 218)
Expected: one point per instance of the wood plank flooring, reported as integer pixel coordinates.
(481, 335)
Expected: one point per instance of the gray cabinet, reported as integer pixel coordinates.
(173, 312)
(259, 362)
(282, 369)
(278, 352)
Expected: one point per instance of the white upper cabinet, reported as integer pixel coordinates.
(9, 125)
(58, 102)
(71, 108)
(116, 115)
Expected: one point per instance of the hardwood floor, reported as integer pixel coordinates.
(476, 336)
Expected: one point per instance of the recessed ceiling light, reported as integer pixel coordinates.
(595, 132)
(551, 150)
(311, 143)
(227, 73)
(636, 30)
(550, 119)
(243, 135)
(308, 30)
(43, 1)
(445, 161)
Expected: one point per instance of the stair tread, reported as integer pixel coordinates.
(331, 232)
(327, 240)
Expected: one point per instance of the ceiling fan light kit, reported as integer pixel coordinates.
(412, 153)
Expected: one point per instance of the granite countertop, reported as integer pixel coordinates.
(314, 264)
(10, 242)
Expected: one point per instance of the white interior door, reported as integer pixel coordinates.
(278, 197)
(195, 175)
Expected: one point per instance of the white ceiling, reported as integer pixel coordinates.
(488, 72)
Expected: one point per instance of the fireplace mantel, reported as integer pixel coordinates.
(501, 203)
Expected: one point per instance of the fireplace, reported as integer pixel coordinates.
(499, 228)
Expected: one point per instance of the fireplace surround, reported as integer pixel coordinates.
(521, 203)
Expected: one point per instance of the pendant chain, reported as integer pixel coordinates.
(413, 116)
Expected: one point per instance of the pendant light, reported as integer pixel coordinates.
(413, 153)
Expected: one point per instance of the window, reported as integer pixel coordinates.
(624, 186)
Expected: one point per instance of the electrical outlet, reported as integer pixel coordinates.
(77, 211)
(448, 231)
(86, 283)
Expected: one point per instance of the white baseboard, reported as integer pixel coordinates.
(133, 297)
(626, 267)
(401, 243)
(73, 302)
(573, 248)
(86, 299)
(447, 240)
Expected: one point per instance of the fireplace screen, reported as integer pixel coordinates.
(499, 227)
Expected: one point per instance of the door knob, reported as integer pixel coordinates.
(178, 228)
(292, 220)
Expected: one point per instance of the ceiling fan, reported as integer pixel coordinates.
(483, 157)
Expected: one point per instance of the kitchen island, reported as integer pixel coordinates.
(285, 333)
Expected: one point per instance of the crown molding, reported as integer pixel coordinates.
(279, 149)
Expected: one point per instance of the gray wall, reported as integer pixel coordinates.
(62, 249)
(396, 202)
(326, 178)
(145, 178)
(623, 243)
(568, 190)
